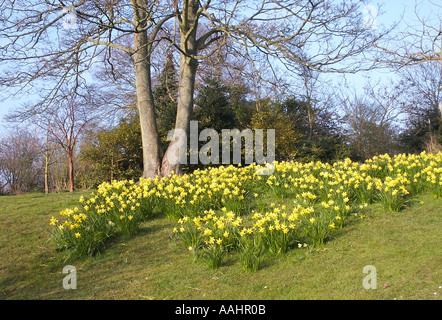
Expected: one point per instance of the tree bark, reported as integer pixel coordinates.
(152, 151)
(184, 111)
(186, 85)
(71, 170)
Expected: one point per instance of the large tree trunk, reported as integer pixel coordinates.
(186, 85)
(188, 67)
(152, 151)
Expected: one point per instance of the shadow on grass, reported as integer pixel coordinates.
(410, 202)
(149, 228)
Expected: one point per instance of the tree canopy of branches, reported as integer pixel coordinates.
(420, 41)
(369, 126)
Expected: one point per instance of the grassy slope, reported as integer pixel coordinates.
(404, 247)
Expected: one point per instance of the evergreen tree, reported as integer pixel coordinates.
(165, 96)
(214, 109)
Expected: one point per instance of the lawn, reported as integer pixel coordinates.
(404, 247)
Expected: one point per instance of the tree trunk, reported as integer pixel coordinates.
(71, 170)
(310, 119)
(188, 67)
(186, 84)
(152, 151)
(46, 173)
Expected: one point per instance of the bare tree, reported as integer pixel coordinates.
(316, 95)
(371, 119)
(49, 45)
(18, 162)
(65, 122)
(414, 51)
(422, 105)
(42, 141)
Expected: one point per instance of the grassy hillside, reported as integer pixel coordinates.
(403, 246)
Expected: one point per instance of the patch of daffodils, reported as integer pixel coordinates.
(228, 208)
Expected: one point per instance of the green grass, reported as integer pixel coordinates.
(404, 247)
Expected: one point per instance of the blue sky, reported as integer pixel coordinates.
(393, 10)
